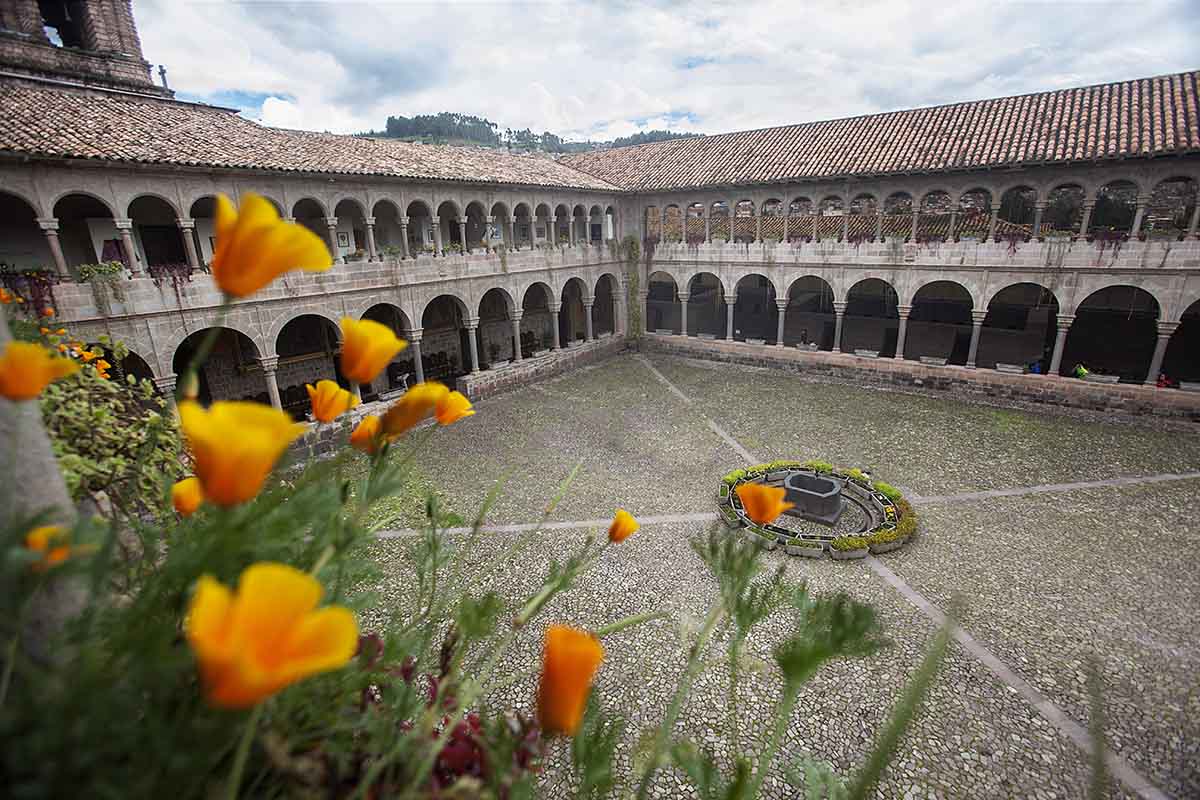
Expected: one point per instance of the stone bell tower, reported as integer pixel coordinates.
(91, 42)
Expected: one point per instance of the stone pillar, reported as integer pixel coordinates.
(977, 318)
(555, 308)
(953, 223)
(1060, 341)
(912, 236)
(730, 302)
(571, 229)
(166, 387)
(414, 343)
(488, 227)
(552, 229)
(758, 225)
(472, 327)
(512, 233)
(371, 253)
(1194, 223)
(618, 316)
(515, 317)
(588, 303)
(404, 236)
(186, 226)
(49, 226)
(708, 229)
(683, 304)
(1142, 201)
(902, 333)
(462, 235)
(331, 223)
(1039, 208)
(1086, 220)
(781, 305)
(991, 234)
(1165, 329)
(437, 235)
(816, 229)
(839, 310)
(845, 226)
(269, 364)
(879, 226)
(125, 229)
(787, 219)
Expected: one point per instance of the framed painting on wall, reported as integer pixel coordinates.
(343, 239)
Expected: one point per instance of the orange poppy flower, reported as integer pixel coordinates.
(367, 347)
(570, 658)
(187, 495)
(329, 401)
(366, 436)
(413, 406)
(452, 407)
(623, 526)
(763, 503)
(254, 246)
(27, 368)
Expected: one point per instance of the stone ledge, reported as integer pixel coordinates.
(489, 383)
(1130, 400)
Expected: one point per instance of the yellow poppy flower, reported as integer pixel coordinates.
(88, 355)
(47, 312)
(235, 445)
(102, 364)
(5, 296)
(367, 347)
(254, 246)
(413, 406)
(366, 436)
(762, 503)
(51, 541)
(329, 401)
(26, 368)
(61, 332)
(623, 526)
(43, 330)
(453, 407)
(570, 658)
(187, 495)
(267, 635)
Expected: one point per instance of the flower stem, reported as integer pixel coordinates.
(243, 752)
(10, 658)
(326, 554)
(628, 622)
(783, 713)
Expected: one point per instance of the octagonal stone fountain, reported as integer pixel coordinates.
(817, 498)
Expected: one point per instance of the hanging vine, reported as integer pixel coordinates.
(176, 273)
(632, 253)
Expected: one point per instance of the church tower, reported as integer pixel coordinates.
(90, 42)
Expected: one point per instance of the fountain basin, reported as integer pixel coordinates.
(817, 498)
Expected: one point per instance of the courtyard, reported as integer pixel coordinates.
(1065, 538)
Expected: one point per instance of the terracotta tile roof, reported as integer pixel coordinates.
(63, 123)
(1144, 117)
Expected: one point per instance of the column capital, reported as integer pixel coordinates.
(1040, 205)
(839, 306)
(554, 307)
(1143, 199)
(489, 219)
(995, 207)
(331, 221)
(48, 223)
(781, 304)
(436, 219)
(288, 219)
(166, 383)
(404, 222)
(516, 314)
(904, 311)
(185, 223)
(268, 363)
(977, 317)
(471, 323)
(123, 224)
(370, 221)
(1165, 329)
(681, 296)
(589, 301)
(1064, 321)
(731, 301)
(1089, 203)
(414, 334)
(553, 218)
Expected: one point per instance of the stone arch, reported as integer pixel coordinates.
(872, 317)
(232, 370)
(28, 198)
(168, 202)
(351, 235)
(662, 302)
(1064, 208)
(672, 224)
(87, 229)
(1018, 208)
(396, 374)
(522, 216)
(810, 317)
(975, 213)
(538, 330)
(70, 193)
(693, 219)
(311, 213)
(1019, 327)
(606, 295)
(389, 233)
(940, 322)
(1180, 362)
(1170, 207)
(897, 217)
(445, 339)
(22, 243)
(156, 234)
(495, 332)
(389, 314)
(720, 221)
(420, 227)
(755, 315)
(1114, 332)
(449, 215)
(744, 221)
(572, 324)
(706, 305)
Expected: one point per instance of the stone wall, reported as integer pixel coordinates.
(491, 382)
(1044, 390)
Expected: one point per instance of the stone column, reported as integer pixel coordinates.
(49, 226)
(683, 304)
(125, 228)
(1165, 329)
(512, 233)
(839, 310)
(707, 230)
(912, 237)
(472, 327)
(555, 308)
(269, 364)
(552, 229)
(991, 234)
(845, 226)
(781, 305)
(879, 226)
(1195, 221)
(758, 225)
(331, 223)
(166, 387)
(1039, 208)
(462, 235)
(1060, 341)
(437, 235)
(977, 318)
(571, 229)
(617, 313)
(414, 343)
(902, 333)
(186, 226)
(404, 236)
(1142, 201)
(488, 227)
(816, 229)
(787, 219)
(588, 303)
(730, 302)
(1086, 220)
(515, 317)
(953, 222)
(371, 253)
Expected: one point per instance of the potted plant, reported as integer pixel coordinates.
(730, 517)
(885, 540)
(768, 539)
(807, 548)
(846, 548)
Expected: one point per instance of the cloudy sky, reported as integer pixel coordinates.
(603, 69)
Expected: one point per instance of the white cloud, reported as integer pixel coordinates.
(602, 69)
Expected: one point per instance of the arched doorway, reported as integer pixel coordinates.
(662, 304)
(157, 236)
(500, 228)
(1181, 362)
(389, 235)
(604, 308)
(22, 243)
(477, 226)
(975, 214)
(754, 314)
(495, 330)
(1019, 328)
(872, 318)
(537, 321)
(311, 214)
(351, 231)
(939, 324)
(897, 217)
(307, 348)
(232, 370)
(706, 306)
(87, 231)
(420, 229)
(449, 228)
(444, 343)
(1114, 333)
(572, 326)
(1018, 206)
(1116, 206)
(523, 226)
(810, 317)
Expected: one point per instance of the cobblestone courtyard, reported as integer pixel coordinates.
(1065, 538)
